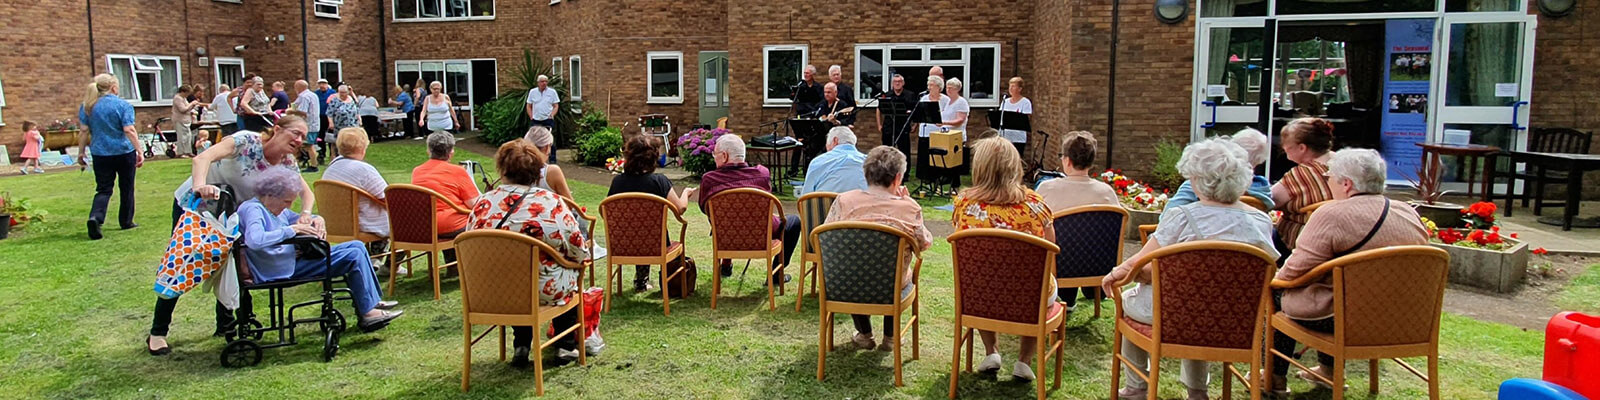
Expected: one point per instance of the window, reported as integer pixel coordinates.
(976, 64)
(781, 66)
(441, 10)
(468, 82)
(2, 101)
(327, 8)
(575, 78)
(555, 67)
(145, 80)
(229, 71)
(665, 77)
(330, 69)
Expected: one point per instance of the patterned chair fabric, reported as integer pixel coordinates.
(338, 208)
(1092, 249)
(1392, 300)
(858, 265)
(813, 213)
(411, 218)
(635, 226)
(496, 274)
(743, 221)
(1210, 298)
(998, 277)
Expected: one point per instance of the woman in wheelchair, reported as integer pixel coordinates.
(267, 223)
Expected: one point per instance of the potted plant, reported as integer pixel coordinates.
(695, 147)
(1482, 257)
(60, 134)
(17, 213)
(1143, 203)
(1429, 188)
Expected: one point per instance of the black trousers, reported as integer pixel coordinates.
(556, 140)
(1285, 344)
(116, 171)
(411, 124)
(229, 128)
(522, 336)
(254, 123)
(374, 130)
(1070, 295)
(162, 317)
(864, 324)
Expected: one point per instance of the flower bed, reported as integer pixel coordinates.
(696, 146)
(1143, 203)
(1480, 256)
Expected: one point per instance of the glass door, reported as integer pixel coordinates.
(1230, 71)
(713, 86)
(228, 71)
(1486, 61)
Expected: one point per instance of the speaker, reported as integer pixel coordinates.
(950, 142)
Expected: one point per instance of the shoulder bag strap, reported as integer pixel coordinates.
(1370, 234)
(514, 206)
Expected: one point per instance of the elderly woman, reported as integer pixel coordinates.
(1220, 174)
(1360, 218)
(254, 105)
(1075, 189)
(936, 95)
(237, 161)
(437, 111)
(342, 111)
(367, 110)
(450, 180)
(182, 108)
(638, 176)
(517, 205)
(267, 223)
(1014, 102)
(1306, 141)
(1257, 150)
(997, 199)
(351, 167)
(550, 176)
(884, 201)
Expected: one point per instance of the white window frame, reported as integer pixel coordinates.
(493, 11)
(574, 75)
(2, 100)
(134, 62)
(805, 59)
(555, 66)
(649, 62)
(318, 5)
(471, 93)
(335, 61)
(926, 61)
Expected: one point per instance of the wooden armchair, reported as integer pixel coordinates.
(414, 227)
(500, 287)
(636, 234)
(741, 228)
(813, 211)
(1086, 257)
(998, 274)
(864, 261)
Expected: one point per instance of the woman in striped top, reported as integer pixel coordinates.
(1307, 142)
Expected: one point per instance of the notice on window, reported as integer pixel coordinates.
(1506, 90)
(1216, 90)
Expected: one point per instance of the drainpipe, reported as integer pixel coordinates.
(383, 50)
(305, 45)
(88, 11)
(1111, 83)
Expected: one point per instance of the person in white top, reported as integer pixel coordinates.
(351, 167)
(1014, 102)
(542, 105)
(935, 93)
(955, 116)
(222, 105)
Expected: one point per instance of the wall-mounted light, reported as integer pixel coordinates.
(1557, 8)
(240, 48)
(1171, 11)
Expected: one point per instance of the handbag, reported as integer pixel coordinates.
(307, 247)
(200, 245)
(675, 287)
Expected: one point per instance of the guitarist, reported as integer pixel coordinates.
(835, 110)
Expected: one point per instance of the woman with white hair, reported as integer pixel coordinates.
(550, 176)
(1220, 174)
(955, 116)
(884, 201)
(254, 104)
(437, 113)
(342, 110)
(1256, 149)
(266, 223)
(935, 95)
(1360, 218)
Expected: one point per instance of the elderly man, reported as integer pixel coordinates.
(542, 105)
(732, 173)
(838, 170)
(351, 167)
(836, 110)
(898, 133)
(223, 106)
(884, 200)
(807, 94)
(1257, 149)
(836, 77)
(1360, 218)
(448, 179)
(307, 102)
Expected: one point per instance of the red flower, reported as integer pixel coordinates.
(1513, 235)
(1484, 210)
(1450, 236)
(1540, 251)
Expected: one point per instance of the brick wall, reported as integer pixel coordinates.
(43, 65)
(1567, 51)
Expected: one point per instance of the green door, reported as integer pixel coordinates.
(713, 86)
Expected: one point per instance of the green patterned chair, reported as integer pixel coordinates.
(861, 274)
(813, 208)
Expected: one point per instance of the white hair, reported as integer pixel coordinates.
(935, 80)
(1217, 169)
(1255, 144)
(543, 78)
(843, 134)
(830, 85)
(540, 136)
(732, 145)
(279, 182)
(833, 68)
(953, 82)
(811, 68)
(1364, 168)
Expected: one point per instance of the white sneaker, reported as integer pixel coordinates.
(568, 355)
(1022, 371)
(991, 363)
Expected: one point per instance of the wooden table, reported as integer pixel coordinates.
(1477, 154)
(1575, 165)
(777, 160)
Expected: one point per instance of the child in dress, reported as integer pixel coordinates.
(32, 142)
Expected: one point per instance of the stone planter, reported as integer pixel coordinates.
(1501, 271)
(1445, 215)
(1136, 218)
(60, 140)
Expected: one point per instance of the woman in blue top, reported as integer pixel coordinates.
(111, 140)
(267, 222)
(403, 103)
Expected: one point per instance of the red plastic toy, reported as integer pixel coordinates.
(1572, 352)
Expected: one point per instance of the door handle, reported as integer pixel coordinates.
(1213, 123)
(1516, 106)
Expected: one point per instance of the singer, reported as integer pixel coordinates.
(807, 94)
(898, 133)
(1016, 103)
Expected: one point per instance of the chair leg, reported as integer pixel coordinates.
(538, 363)
(502, 329)
(899, 376)
(1227, 381)
(916, 326)
(581, 334)
(433, 270)
(822, 342)
(1060, 345)
(1116, 365)
(716, 283)
(1433, 375)
(1338, 378)
(971, 337)
(801, 297)
(1155, 374)
(772, 299)
(666, 301)
(466, 354)
(1038, 363)
(1099, 297)
(955, 358)
(1372, 376)
(393, 269)
(610, 273)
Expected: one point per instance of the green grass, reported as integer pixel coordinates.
(1583, 293)
(72, 313)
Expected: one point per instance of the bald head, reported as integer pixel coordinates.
(936, 71)
(830, 92)
(301, 85)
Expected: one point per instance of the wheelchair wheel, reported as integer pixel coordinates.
(241, 353)
(245, 330)
(333, 320)
(330, 344)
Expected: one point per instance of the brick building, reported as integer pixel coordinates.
(697, 60)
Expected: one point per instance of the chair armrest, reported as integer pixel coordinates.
(302, 239)
(683, 227)
(1311, 276)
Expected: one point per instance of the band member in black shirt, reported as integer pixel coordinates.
(836, 76)
(836, 110)
(808, 94)
(899, 133)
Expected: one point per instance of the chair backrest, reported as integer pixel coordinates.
(1095, 247)
(1211, 293)
(722, 123)
(411, 213)
(339, 205)
(1001, 274)
(741, 219)
(1560, 140)
(636, 224)
(1307, 210)
(813, 211)
(859, 261)
(500, 271)
(1254, 202)
(1390, 296)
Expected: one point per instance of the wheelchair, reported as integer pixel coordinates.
(245, 336)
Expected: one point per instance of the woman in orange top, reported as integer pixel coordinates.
(1307, 142)
(449, 180)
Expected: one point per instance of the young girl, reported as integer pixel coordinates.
(32, 142)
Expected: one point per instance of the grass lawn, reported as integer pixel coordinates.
(72, 312)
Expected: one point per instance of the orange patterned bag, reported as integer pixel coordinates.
(200, 246)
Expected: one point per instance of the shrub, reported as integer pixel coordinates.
(696, 146)
(504, 118)
(1165, 170)
(595, 148)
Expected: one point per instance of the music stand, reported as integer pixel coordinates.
(812, 133)
(927, 112)
(895, 126)
(1002, 121)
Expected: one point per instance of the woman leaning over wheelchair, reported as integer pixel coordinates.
(267, 223)
(237, 161)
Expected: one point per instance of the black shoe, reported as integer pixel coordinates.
(639, 286)
(727, 270)
(380, 322)
(308, 170)
(130, 226)
(94, 230)
(520, 358)
(164, 350)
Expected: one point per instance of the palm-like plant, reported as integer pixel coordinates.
(1429, 182)
(504, 117)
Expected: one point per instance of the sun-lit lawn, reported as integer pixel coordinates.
(74, 313)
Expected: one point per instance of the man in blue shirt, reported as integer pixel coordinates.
(114, 145)
(324, 91)
(839, 169)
